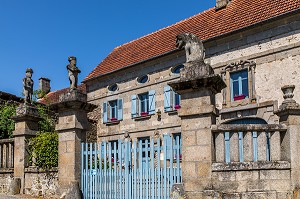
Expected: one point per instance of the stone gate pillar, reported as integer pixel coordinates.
(26, 126)
(289, 114)
(198, 87)
(72, 126)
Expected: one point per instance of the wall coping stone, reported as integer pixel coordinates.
(33, 169)
(248, 127)
(6, 170)
(246, 166)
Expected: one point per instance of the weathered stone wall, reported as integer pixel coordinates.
(274, 47)
(159, 75)
(41, 183)
(6, 176)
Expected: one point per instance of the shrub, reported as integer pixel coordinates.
(44, 149)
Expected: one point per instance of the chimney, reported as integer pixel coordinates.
(221, 4)
(44, 87)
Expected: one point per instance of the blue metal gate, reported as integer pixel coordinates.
(131, 170)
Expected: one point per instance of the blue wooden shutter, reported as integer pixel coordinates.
(134, 112)
(227, 147)
(167, 99)
(254, 135)
(151, 102)
(105, 118)
(120, 109)
(241, 147)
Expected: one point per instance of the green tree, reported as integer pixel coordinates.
(7, 125)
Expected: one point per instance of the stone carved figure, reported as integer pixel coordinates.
(73, 71)
(28, 86)
(193, 47)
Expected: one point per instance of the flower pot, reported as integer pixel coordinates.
(239, 97)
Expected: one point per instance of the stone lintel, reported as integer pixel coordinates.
(212, 82)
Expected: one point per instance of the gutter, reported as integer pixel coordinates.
(204, 41)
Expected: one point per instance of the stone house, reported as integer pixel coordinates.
(255, 47)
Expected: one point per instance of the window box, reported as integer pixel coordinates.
(177, 107)
(239, 97)
(113, 119)
(144, 114)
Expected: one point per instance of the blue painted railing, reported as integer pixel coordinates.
(130, 170)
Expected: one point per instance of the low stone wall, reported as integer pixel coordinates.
(39, 182)
(6, 176)
(254, 180)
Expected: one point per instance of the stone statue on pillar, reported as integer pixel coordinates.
(73, 71)
(195, 54)
(28, 86)
(193, 46)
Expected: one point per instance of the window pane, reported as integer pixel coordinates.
(143, 102)
(235, 89)
(113, 109)
(235, 76)
(177, 99)
(245, 89)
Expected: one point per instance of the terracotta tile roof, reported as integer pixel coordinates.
(206, 25)
(53, 97)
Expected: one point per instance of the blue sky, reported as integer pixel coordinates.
(41, 34)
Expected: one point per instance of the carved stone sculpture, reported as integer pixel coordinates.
(194, 67)
(73, 71)
(193, 46)
(28, 86)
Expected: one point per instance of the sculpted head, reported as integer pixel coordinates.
(29, 72)
(72, 60)
(184, 38)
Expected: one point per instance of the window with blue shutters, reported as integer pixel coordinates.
(171, 99)
(143, 104)
(113, 111)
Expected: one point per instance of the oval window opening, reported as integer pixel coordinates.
(143, 79)
(113, 87)
(176, 70)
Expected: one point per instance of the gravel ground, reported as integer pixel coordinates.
(2, 196)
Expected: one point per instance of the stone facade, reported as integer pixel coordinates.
(270, 53)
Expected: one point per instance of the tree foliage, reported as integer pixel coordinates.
(7, 125)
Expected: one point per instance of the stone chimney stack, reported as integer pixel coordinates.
(221, 4)
(44, 87)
